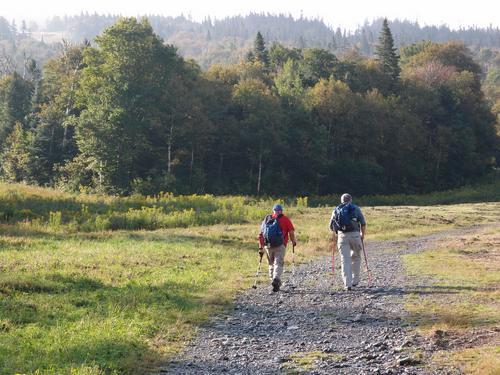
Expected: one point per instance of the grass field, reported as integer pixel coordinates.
(462, 303)
(103, 285)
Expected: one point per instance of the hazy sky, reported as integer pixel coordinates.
(346, 13)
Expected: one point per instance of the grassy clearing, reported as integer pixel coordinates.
(396, 222)
(463, 299)
(483, 360)
(80, 298)
(111, 302)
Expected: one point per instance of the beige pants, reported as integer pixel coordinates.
(350, 247)
(276, 260)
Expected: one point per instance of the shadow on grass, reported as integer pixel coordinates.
(66, 300)
(112, 354)
(422, 290)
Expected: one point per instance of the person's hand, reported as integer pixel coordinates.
(261, 251)
(294, 243)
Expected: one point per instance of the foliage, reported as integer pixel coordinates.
(16, 158)
(226, 40)
(15, 103)
(61, 211)
(129, 115)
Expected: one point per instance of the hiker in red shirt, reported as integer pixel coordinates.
(276, 229)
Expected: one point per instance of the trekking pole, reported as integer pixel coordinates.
(370, 278)
(334, 247)
(292, 279)
(254, 286)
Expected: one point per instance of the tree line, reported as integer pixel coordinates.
(227, 40)
(128, 114)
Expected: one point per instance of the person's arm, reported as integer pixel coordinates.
(362, 224)
(363, 231)
(261, 243)
(334, 241)
(332, 219)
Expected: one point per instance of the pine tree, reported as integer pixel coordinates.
(16, 160)
(365, 45)
(386, 53)
(332, 46)
(15, 103)
(259, 50)
(340, 40)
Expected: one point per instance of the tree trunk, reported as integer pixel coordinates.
(260, 174)
(65, 138)
(100, 175)
(69, 104)
(221, 162)
(169, 148)
(51, 146)
(191, 167)
(438, 164)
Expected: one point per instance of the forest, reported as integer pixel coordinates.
(127, 113)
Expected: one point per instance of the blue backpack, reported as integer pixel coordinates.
(271, 231)
(344, 219)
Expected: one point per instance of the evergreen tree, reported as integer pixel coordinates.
(332, 45)
(365, 45)
(15, 103)
(16, 157)
(386, 53)
(259, 50)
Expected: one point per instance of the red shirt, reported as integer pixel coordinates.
(285, 225)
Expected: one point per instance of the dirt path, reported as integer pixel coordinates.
(315, 327)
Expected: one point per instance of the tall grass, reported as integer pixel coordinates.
(50, 209)
(39, 208)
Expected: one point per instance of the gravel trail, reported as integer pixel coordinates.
(313, 321)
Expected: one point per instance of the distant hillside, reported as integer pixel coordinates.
(226, 40)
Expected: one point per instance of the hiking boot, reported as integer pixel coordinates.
(276, 285)
(347, 288)
(355, 284)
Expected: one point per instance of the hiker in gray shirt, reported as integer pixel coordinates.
(349, 227)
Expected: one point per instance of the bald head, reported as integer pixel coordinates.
(346, 198)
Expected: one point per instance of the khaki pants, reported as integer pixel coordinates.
(276, 260)
(350, 247)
